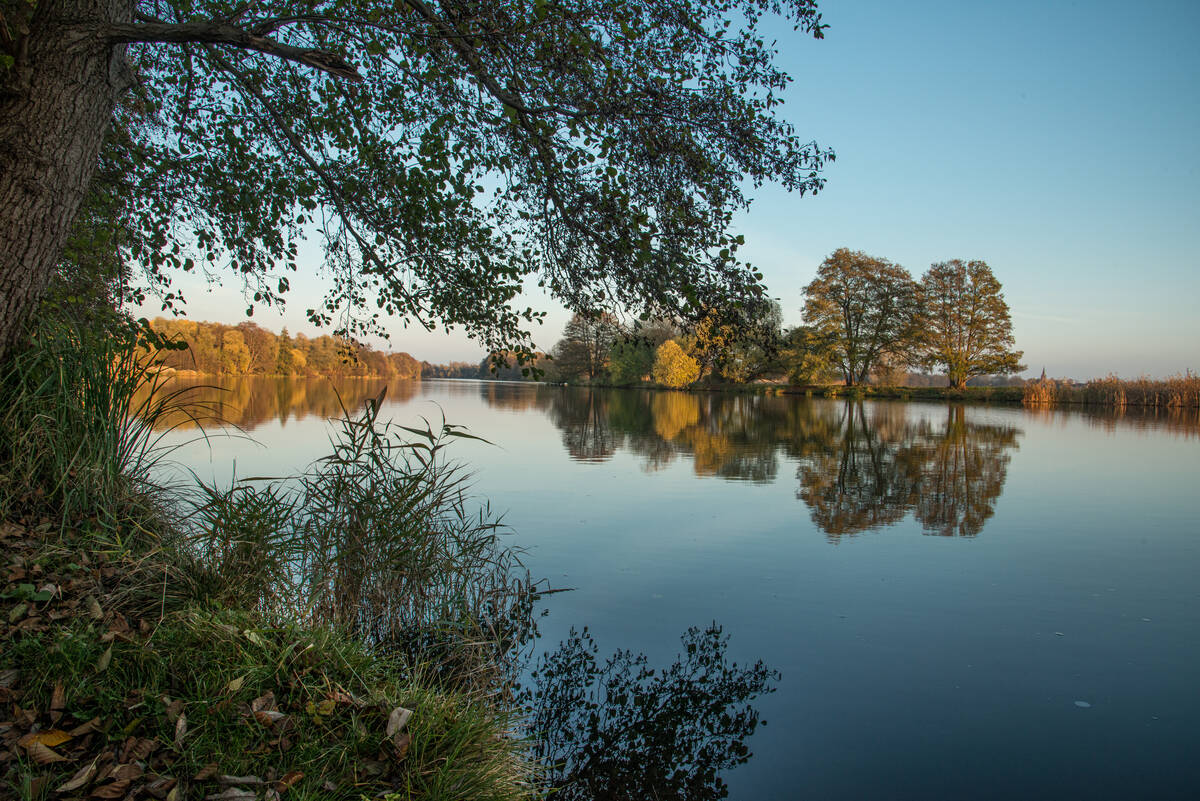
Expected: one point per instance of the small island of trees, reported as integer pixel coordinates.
(866, 320)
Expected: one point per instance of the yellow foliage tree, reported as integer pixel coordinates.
(235, 356)
(673, 367)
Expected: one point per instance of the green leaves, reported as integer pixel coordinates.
(597, 145)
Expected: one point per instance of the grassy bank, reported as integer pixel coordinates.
(339, 635)
(125, 686)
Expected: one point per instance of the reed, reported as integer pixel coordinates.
(81, 421)
(1176, 392)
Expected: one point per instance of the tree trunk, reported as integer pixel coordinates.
(55, 106)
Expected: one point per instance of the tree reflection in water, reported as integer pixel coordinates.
(961, 473)
(250, 401)
(859, 466)
(866, 471)
(849, 473)
(622, 730)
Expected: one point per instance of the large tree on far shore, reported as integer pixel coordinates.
(865, 307)
(584, 348)
(445, 152)
(966, 327)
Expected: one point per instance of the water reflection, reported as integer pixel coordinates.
(248, 402)
(859, 466)
(623, 730)
(851, 473)
(731, 436)
(860, 470)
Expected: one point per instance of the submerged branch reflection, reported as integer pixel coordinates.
(623, 730)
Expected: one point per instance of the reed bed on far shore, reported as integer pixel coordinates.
(1176, 392)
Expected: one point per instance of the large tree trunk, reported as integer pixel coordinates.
(55, 106)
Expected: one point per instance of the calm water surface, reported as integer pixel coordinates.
(963, 602)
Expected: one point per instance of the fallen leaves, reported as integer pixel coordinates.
(133, 742)
(83, 777)
(264, 710)
(286, 782)
(42, 754)
(180, 730)
(50, 738)
(104, 660)
(57, 703)
(401, 739)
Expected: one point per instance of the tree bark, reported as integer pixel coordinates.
(55, 107)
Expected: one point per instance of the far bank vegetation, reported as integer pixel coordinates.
(249, 349)
(867, 322)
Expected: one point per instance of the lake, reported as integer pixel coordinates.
(961, 602)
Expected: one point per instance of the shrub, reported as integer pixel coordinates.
(673, 367)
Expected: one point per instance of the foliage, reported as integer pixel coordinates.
(674, 368)
(508, 366)
(452, 370)
(965, 326)
(740, 344)
(630, 361)
(623, 730)
(866, 306)
(583, 352)
(248, 349)
(446, 153)
(806, 355)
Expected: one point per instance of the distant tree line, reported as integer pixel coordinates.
(498, 366)
(866, 320)
(250, 349)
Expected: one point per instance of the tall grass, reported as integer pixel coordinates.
(79, 406)
(379, 539)
(1176, 392)
(364, 584)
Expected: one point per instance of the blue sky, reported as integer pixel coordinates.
(1058, 141)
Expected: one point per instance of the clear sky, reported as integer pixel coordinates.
(1058, 141)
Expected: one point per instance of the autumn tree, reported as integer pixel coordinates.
(739, 344)
(235, 356)
(805, 355)
(966, 328)
(632, 356)
(674, 368)
(866, 306)
(444, 152)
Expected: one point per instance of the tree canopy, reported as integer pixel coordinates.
(583, 351)
(445, 153)
(865, 306)
(966, 327)
(674, 368)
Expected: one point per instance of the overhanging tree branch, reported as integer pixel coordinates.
(222, 33)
